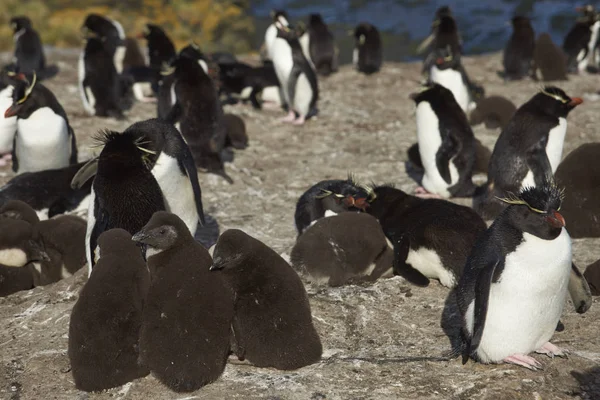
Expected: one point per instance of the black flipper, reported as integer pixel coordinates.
(400, 267)
(255, 103)
(84, 174)
(192, 173)
(15, 160)
(538, 163)
(449, 148)
(414, 156)
(73, 158)
(174, 114)
(207, 234)
(579, 290)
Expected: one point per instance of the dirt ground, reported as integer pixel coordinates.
(383, 341)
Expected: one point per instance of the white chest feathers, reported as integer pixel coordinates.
(8, 126)
(42, 141)
(283, 64)
(430, 140)
(453, 81)
(305, 44)
(87, 97)
(270, 36)
(525, 305)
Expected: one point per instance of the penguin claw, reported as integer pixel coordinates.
(422, 193)
(298, 122)
(291, 117)
(524, 361)
(552, 350)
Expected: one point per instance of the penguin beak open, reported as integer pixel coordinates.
(217, 264)
(555, 219)
(439, 61)
(575, 101)
(12, 111)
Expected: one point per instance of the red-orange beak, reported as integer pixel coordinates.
(575, 101)
(556, 220)
(439, 61)
(11, 111)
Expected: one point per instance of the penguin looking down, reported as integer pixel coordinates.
(321, 46)
(44, 138)
(528, 150)
(367, 55)
(513, 288)
(518, 53)
(160, 48)
(549, 59)
(29, 55)
(112, 35)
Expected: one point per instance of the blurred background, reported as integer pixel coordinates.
(238, 25)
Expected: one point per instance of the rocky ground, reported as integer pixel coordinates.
(383, 341)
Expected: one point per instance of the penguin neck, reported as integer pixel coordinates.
(390, 200)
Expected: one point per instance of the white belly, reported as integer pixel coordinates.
(271, 94)
(428, 262)
(91, 221)
(303, 96)
(452, 80)
(305, 44)
(42, 141)
(270, 36)
(283, 63)
(355, 57)
(429, 139)
(554, 149)
(177, 190)
(8, 126)
(118, 58)
(89, 101)
(526, 304)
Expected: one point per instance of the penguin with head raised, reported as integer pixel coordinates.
(493, 111)
(99, 83)
(112, 35)
(300, 85)
(8, 125)
(432, 238)
(518, 53)
(271, 33)
(321, 45)
(106, 319)
(446, 144)
(269, 330)
(186, 322)
(160, 48)
(367, 55)
(330, 197)
(444, 36)
(200, 116)
(528, 150)
(29, 53)
(549, 59)
(124, 194)
(342, 249)
(44, 138)
(580, 43)
(512, 292)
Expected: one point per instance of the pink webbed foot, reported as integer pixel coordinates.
(299, 121)
(5, 159)
(267, 105)
(552, 350)
(524, 361)
(148, 99)
(424, 194)
(291, 117)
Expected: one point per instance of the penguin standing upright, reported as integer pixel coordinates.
(112, 35)
(367, 55)
(300, 85)
(125, 194)
(580, 43)
(549, 59)
(444, 35)
(518, 53)
(98, 80)
(199, 113)
(446, 144)
(271, 32)
(528, 150)
(321, 46)
(186, 322)
(44, 138)
(269, 330)
(160, 48)
(106, 320)
(513, 289)
(8, 125)
(29, 54)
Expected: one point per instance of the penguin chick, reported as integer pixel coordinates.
(328, 198)
(432, 238)
(518, 53)
(592, 276)
(342, 249)
(269, 330)
(528, 150)
(19, 244)
(493, 111)
(549, 59)
(236, 131)
(106, 319)
(513, 289)
(13, 280)
(579, 290)
(186, 322)
(321, 46)
(17, 209)
(480, 166)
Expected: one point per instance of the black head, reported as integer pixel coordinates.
(281, 16)
(348, 195)
(443, 11)
(445, 58)
(535, 210)
(116, 241)
(432, 92)
(152, 31)
(554, 101)
(23, 99)
(315, 19)
(98, 25)
(231, 249)
(193, 51)
(20, 243)
(287, 32)
(123, 151)
(520, 22)
(588, 11)
(17, 209)
(164, 231)
(361, 32)
(20, 22)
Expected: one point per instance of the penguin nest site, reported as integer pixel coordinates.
(388, 339)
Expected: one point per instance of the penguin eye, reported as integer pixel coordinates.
(339, 196)
(162, 231)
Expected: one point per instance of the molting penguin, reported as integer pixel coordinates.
(269, 330)
(446, 144)
(321, 46)
(549, 59)
(44, 139)
(8, 126)
(300, 85)
(160, 47)
(199, 113)
(528, 150)
(493, 111)
(342, 249)
(432, 238)
(29, 54)
(125, 194)
(367, 56)
(513, 289)
(106, 320)
(518, 53)
(580, 43)
(186, 322)
(112, 35)
(328, 198)
(99, 84)
(579, 174)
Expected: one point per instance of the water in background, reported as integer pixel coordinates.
(404, 23)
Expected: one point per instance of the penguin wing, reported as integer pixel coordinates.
(538, 163)
(192, 173)
(100, 225)
(449, 148)
(402, 268)
(174, 114)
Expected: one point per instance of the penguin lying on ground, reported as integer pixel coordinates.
(321, 44)
(580, 42)
(269, 330)
(239, 80)
(446, 144)
(29, 55)
(104, 351)
(330, 197)
(432, 238)
(493, 111)
(518, 53)
(549, 59)
(367, 55)
(345, 248)
(187, 317)
(513, 288)
(44, 138)
(528, 150)
(444, 36)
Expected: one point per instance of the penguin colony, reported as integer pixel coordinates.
(179, 312)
